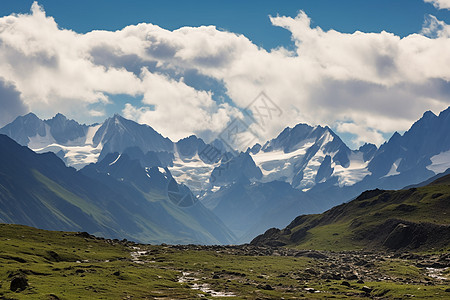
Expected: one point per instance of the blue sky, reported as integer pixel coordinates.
(250, 18)
(307, 58)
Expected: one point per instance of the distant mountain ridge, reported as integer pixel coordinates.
(317, 166)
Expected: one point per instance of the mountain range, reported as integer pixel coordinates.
(132, 202)
(305, 169)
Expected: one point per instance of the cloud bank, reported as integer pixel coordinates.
(365, 84)
(440, 4)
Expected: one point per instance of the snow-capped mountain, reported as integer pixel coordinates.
(79, 145)
(421, 152)
(70, 140)
(304, 156)
(117, 134)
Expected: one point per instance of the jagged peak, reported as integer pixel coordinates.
(428, 115)
(395, 136)
(28, 116)
(191, 137)
(367, 146)
(60, 116)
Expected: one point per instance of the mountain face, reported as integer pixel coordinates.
(423, 151)
(412, 219)
(304, 156)
(249, 209)
(115, 198)
(117, 133)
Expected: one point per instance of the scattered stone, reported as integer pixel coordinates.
(117, 273)
(267, 287)
(346, 283)
(360, 281)
(216, 276)
(310, 290)
(351, 277)
(53, 255)
(18, 283)
(366, 289)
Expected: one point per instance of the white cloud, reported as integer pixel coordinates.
(440, 4)
(362, 133)
(179, 110)
(378, 82)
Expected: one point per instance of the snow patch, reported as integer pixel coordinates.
(393, 171)
(440, 163)
(278, 165)
(118, 157)
(354, 173)
(77, 153)
(37, 141)
(193, 172)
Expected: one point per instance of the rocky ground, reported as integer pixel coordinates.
(37, 264)
(346, 265)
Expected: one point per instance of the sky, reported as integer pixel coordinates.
(364, 68)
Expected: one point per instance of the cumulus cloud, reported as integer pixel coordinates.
(178, 109)
(362, 133)
(11, 104)
(377, 82)
(440, 4)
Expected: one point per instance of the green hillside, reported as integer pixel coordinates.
(50, 265)
(412, 219)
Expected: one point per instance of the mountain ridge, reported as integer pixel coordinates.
(39, 190)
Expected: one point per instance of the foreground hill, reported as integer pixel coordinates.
(39, 190)
(416, 218)
(39, 264)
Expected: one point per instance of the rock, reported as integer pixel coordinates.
(310, 290)
(54, 256)
(85, 235)
(360, 281)
(216, 276)
(117, 273)
(351, 277)
(53, 297)
(267, 287)
(311, 271)
(447, 290)
(316, 255)
(366, 289)
(399, 237)
(18, 283)
(346, 283)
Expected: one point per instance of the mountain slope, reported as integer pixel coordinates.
(39, 190)
(417, 218)
(249, 209)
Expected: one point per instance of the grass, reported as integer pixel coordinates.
(347, 226)
(70, 266)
